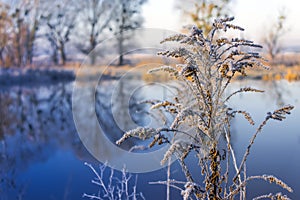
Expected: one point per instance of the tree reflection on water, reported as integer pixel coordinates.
(35, 123)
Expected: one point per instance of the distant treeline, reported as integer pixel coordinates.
(29, 29)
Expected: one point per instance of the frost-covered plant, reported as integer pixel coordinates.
(201, 113)
(114, 188)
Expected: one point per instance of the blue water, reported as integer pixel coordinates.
(42, 157)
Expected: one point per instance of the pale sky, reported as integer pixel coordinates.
(253, 15)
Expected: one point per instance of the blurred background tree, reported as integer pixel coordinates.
(60, 21)
(92, 22)
(19, 24)
(5, 33)
(127, 18)
(271, 39)
(203, 12)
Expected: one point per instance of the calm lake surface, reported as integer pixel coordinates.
(42, 156)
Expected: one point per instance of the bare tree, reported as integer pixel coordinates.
(19, 34)
(5, 33)
(60, 21)
(127, 18)
(94, 19)
(272, 38)
(33, 22)
(204, 12)
(25, 18)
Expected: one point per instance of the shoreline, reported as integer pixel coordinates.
(58, 74)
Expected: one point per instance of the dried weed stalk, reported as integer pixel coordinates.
(210, 63)
(112, 187)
